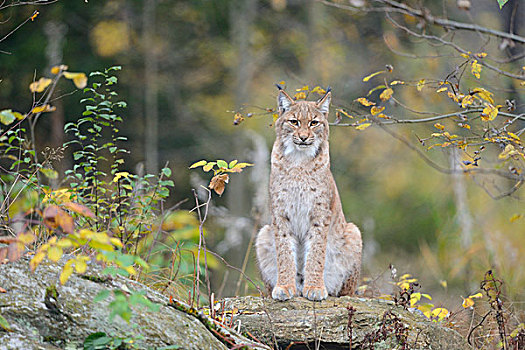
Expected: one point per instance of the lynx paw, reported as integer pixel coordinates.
(285, 292)
(315, 293)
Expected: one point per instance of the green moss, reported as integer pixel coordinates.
(96, 279)
(51, 292)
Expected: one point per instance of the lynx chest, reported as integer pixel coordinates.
(295, 197)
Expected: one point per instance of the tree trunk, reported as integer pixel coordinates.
(150, 86)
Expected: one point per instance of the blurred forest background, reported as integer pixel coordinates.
(189, 66)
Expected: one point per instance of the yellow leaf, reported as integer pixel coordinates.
(386, 94)
(376, 110)
(119, 175)
(368, 77)
(481, 55)
(404, 285)
(443, 283)
(405, 276)
(275, 117)
(37, 259)
(426, 296)
(414, 298)
(363, 126)
(80, 265)
(54, 253)
(440, 313)
(467, 302)
(66, 272)
(208, 166)
(319, 90)
(345, 113)
(484, 94)
(477, 295)
(439, 126)
(40, 85)
(79, 79)
(304, 88)
(282, 82)
(301, 95)
(515, 217)
(509, 151)
(365, 102)
(238, 118)
(43, 108)
(57, 69)
(26, 238)
(381, 115)
(420, 85)
(464, 55)
(489, 112)
(396, 82)
(130, 269)
(441, 89)
(64, 243)
(116, 242)
(475, 68)
(466, 101)
(513, 135)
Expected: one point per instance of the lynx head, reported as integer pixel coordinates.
(302, 126)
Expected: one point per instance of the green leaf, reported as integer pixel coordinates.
(222, 164)
(232, 163)
(166, 172)
(4, 324)
(49, 173)
(501, 3)
(102, 295)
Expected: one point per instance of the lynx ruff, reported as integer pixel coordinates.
(308, 249)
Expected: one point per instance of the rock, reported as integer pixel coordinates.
(303, 324)
(43, 314)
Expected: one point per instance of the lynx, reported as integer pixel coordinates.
(308, 248)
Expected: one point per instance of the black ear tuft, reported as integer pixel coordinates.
(279, 87)
(328, 89)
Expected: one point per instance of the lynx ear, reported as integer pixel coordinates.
(284, 101)
(324, 103)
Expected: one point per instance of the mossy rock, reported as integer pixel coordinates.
(302, 324)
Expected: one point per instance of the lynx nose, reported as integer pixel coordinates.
(303, 138)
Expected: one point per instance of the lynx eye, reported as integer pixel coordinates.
(294, 122)
(314, 123)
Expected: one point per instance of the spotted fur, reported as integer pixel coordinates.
(308, 248)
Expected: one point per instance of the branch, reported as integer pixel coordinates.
(22, 3)
(445, 23)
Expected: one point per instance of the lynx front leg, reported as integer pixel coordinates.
(314, 286)
(286, 270)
